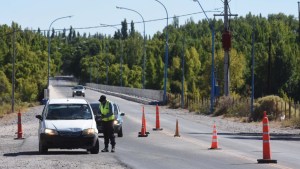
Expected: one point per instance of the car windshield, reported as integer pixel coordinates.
(68, 112)
(78, 87)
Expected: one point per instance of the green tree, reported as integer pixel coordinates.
(124, 29)
(132, 30)
(5, 88)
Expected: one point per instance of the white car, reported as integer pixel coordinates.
(68, 124)
(78, 90)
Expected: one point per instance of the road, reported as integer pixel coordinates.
(160, 149)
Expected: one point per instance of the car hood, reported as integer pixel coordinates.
(75, 90)
(69, 125)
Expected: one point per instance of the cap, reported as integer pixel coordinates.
(102, 98)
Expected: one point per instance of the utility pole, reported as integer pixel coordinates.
(252, 73)
(226, 41)
(269, 68)
(299, 22)
(182, 80)
(13, 72)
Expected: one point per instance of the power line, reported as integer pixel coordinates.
(95, 27)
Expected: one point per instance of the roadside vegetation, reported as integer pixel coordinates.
(21, 106)
(283, 110)
(88, 57)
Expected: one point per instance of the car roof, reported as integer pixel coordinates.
(67, 101)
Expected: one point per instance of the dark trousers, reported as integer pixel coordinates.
(108, 132)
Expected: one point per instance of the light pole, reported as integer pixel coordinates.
(212, 93)
(166, 55)
(49, 44)
(144, 49)
(121, 56)
(182, 80)
(252, 73)
(299, 21)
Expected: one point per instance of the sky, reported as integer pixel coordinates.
(34, 14)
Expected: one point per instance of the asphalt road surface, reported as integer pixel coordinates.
(239, 149)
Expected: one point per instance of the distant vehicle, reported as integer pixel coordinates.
(78, 90)
(67, 124)
(118, 123)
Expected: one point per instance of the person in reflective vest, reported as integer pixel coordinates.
(108, 119)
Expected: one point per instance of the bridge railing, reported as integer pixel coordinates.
(148, 96)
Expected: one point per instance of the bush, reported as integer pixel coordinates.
(232, 106)
(268, 104)
(223, 105)
(174, 101)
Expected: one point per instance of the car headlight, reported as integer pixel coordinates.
(116, 122)
(83, 91)
(51, 132)
(88, 132)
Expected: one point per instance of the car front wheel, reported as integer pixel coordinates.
(120, 133)
(95, 149)
(42, 149)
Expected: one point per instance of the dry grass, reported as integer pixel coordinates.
(293, 123)
(6, 108)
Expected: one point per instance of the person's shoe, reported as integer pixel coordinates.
(112, 150)
(104, 150)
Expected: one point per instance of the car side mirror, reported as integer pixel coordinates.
(122, 114)
(39, 117)
(44, 101)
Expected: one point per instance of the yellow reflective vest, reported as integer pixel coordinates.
(107, 114)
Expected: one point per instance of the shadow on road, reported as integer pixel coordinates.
(29, 153)
(256, 136)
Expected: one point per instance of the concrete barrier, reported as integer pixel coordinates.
(146, 96)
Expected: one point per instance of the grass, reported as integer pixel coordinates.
(7, 108)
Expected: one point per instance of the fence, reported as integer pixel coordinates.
(283, 109)
(288, 109)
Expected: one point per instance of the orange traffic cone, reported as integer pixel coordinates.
(157, 126)
(214, 143)
(19, 132)
(143, 132)
(177, 129)
(266, 142)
